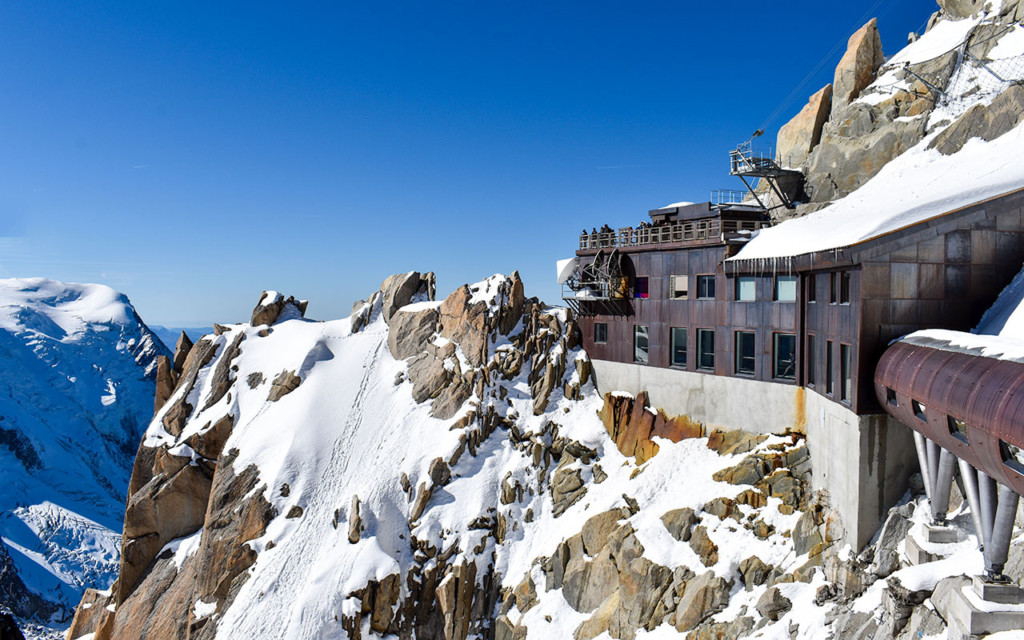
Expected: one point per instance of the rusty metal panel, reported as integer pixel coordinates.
(986, 393)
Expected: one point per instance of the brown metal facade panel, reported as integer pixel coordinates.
(941, 273)
(985, 393)
(724, 315)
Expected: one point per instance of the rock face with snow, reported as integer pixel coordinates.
(77, 376)
(531, 506)
(956, 81)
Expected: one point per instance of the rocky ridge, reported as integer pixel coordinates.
(946, 87)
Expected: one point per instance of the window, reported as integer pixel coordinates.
(830, 383)
(680, 287)
(678, 340)
(846, 373)
(957, 429)
(745, 352)
(920, 411)
(784, 359)
(745, 288)
(810, 358)
(705, 349)
(785, 288)
(890, 397)
(640, 344)
(600, 333)
(844, 287)
(641, 288)
(812, 289)
(705, 287)
(1012, 456)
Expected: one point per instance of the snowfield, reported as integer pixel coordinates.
(76, 389)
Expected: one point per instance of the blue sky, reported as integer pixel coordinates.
(193, 154)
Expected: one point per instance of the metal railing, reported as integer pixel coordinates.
(729, 196)
(701, 230)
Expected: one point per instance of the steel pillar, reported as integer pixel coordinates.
(997, 550)
(922, 459)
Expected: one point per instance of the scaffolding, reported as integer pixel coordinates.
(745, 161)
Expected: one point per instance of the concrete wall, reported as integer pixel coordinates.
(715, 401)
(863, 462)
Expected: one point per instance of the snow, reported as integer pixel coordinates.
(423, 306)
(76, 388)
(566, 268)
(183, 547)
(204, 609)
(675, 205)
(914, 187)
(1010, 45)
(1006, 317)
(943, 37)
(996, 347)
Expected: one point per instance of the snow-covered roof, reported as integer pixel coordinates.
(916, 186)
(676, 205)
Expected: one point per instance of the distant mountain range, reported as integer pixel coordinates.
(77, 380)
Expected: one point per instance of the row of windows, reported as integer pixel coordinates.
(783, 360)
(1012, 456)
(845, 368)
(838, 287)
(744, 291)
(745, 288)
(783, 356)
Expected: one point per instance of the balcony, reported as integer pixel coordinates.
(702, 231)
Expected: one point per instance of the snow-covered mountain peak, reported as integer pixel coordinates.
(77, 374)
(58, 310)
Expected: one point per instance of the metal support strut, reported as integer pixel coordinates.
(993, 509)
(937, 467)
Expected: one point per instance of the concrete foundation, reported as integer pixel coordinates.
(997, 592)
(967, 614)
(924, 544)
(863, 462)
(714, 401)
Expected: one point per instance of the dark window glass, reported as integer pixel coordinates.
(810, 359)
(919, 410)
(784, 360)
(957, 428)
(833, 288)
(785, 288)
(745, 356)
(746, 287)
(600, 332)
(846, 372)
(830, 383)
(705, 348)
(1012, 456)
(705, 287)
(812, 289)
(641, 288)
(844, 287)
(640, 344)
(678, 347)
(890, 397)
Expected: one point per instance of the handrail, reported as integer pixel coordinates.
(703, 229)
